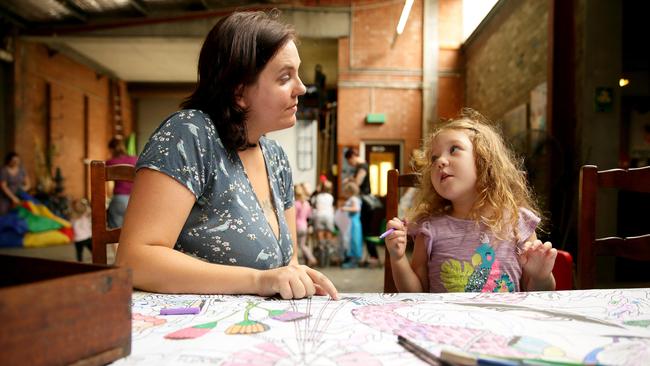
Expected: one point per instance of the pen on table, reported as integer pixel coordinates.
(180, 311)
(422, 353)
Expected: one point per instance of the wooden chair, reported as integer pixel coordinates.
(562, 270)
(394, 183)
(100, 174)
(637, 248)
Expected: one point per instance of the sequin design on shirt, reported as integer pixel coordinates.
(483, 274)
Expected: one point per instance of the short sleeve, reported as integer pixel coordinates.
(425, 228)
(184, 148)
(528, 222)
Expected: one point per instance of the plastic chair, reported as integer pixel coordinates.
(100, 174)
(562, 270)
(637, 248)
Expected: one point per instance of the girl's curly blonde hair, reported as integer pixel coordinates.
(501, 182)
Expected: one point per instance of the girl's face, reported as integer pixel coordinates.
(272, 101)
(453, 172)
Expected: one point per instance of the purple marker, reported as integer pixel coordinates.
(180, 311)
(386, 233)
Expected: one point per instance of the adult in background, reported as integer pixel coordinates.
(212, 208)
(362, 180)
(122, 189)
(12, 180)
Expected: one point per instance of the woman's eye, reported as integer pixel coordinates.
(285, 78)
(453, 148)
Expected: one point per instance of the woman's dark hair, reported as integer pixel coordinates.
(10, 155)
(233, 55)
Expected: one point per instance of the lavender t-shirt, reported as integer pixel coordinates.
(466, 257)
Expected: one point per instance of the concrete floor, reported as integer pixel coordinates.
(345, 280)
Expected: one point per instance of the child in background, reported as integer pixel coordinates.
(323, 219)
(474, 218)
(81, 226)
(303, 211)
(355, 236)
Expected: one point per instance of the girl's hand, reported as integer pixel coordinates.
(396, 241)
(294, 282)
(537, 259)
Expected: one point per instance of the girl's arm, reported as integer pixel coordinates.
(412, 277)
(158, 209)
(537, 260)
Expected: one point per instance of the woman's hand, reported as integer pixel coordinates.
(294, 282)
(396, 241)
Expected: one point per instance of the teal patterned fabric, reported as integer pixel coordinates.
(226, 224)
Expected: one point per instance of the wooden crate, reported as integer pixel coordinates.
(60, 313)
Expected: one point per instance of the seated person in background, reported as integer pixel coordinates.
(12, 180)
(473, 218)
(212, 206)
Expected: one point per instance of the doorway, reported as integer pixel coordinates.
(381, 157)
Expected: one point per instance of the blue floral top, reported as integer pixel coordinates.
(226, 224)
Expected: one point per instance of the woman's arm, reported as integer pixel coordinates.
(158, 209)
(360, 176)
(8, 192)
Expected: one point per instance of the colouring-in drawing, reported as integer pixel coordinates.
(597, 326)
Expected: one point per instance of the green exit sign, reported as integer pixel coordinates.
(375, 118)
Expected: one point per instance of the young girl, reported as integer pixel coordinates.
(323, 218)
(303, 211)
(474, 218)
(354, 236)
(81, 226)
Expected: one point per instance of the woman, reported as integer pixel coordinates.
(12, 180)
(211, 209)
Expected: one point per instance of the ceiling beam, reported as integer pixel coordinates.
(74, 10)
(140, 6)
(11, 17)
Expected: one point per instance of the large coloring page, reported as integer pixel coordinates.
(596, 326)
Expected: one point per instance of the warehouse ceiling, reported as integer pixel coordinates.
(149, 40)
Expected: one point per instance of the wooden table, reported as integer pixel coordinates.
(605, 326)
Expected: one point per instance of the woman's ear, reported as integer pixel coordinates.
(239, 97)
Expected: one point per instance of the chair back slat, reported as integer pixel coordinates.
(637, 248)
(120, 172)
(634, 179)
(100, 174)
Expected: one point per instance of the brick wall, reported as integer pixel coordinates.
(451, 94)
(379, 75)
(53, 94)
(507, 57)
